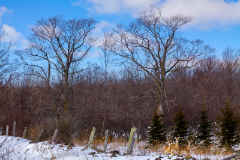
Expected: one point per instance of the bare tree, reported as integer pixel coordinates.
(231, 59)
(5, 65)
(59, 46)
(153, 44)
(106, 55)
(37, 62)
(230, 70)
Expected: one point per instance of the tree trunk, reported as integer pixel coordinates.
(161, 99)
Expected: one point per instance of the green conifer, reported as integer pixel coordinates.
(228, 126)
(181, 127)
(204, 129)
(157, 130)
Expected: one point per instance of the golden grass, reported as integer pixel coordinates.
(168, 148)
(33, 132)
(121, 141)
(188, 150)
(79, 141)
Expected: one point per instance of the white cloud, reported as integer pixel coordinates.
(3, 10)
(99, 31)
(10, 35)
(107, 6)
(98, 35)
(204, 12)
(103, 26)
(114, 6)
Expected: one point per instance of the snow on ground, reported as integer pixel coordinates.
(15, 148)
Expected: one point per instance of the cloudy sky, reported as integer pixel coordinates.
(217, 22)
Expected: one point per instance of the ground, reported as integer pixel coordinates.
(15, 148)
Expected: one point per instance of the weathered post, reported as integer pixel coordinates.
(1, 131)
(54, 137)
(106, 141)
(14, 129)
(91, 137)
(25, 132)
(131, 140)
(7, 129)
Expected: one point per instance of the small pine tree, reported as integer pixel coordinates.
(157, 131)
(228, 126)
(181, 127)
(204, 129)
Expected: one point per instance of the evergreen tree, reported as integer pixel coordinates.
(204, 129)
(157, 130)
(181, 127)
(228, 126)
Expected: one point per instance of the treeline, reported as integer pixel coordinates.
(123, 99)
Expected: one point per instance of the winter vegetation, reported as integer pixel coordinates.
(154, 94)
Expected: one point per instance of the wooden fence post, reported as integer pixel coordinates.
(25, 132)
(131, 140)
(1, 131)
(91, 137)
(7, 129)
(106, 141)
(54, 136)
(14, 129)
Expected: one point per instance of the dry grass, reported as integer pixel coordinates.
(33, 132)
(168, 148)
(119, 141)
(187, 150)
(80, 141)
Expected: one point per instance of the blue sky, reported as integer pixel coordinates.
(216, 22)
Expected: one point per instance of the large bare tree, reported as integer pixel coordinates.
(5, 65)
(58, 46)
(153, 44)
